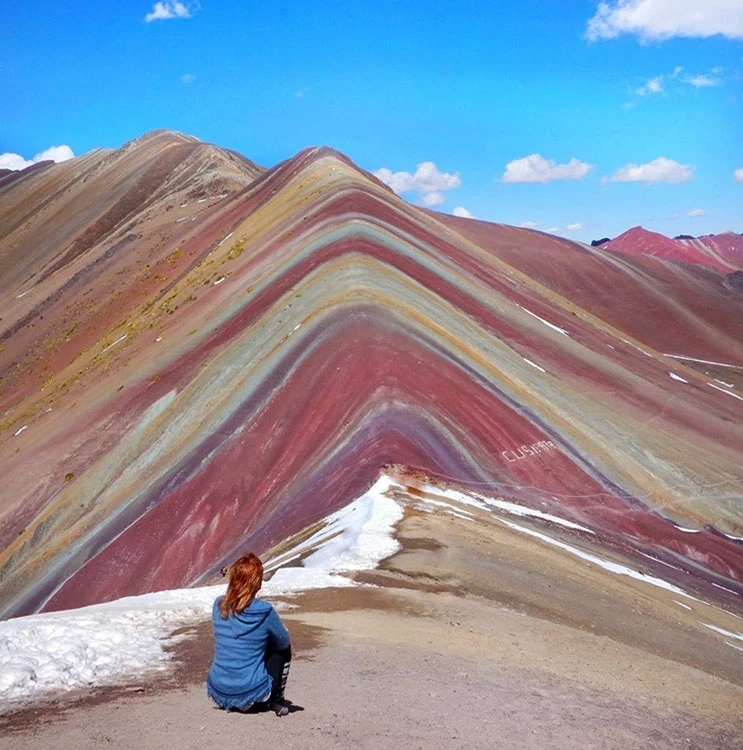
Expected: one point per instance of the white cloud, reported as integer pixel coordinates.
(702, 81)
(164, 11)
(554, 230)
(673, 82)
(653, 86)
(696, 212)
(738, 175)
(431, 199)
(427, 181)
(658, 170)
(576, 227)
(463, 212)
(528, 224)
(188, 78)
(536, 169)
(53, 153)
(13, 161)
(663, 19)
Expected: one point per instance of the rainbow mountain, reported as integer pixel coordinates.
(201, 356)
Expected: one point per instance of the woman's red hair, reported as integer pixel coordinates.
(246, 578)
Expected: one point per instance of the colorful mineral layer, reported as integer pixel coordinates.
(199, 356)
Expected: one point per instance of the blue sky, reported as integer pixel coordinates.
(531, 112)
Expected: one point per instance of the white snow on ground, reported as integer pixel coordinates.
(703, 361)
(485, 503)
(108, 643)
(726, 633)
(356, 537)
(724, 588)
(534, 364)
(613, 567)
(677, 377)
(546, 322)
(93, 645)
(699, 531)
(723, 390)
(225, 239)
(460, 514)
(106, 348)
(449, 509)
(639, 348)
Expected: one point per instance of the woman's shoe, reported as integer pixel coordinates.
(279, 708)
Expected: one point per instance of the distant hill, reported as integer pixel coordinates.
(723, 252)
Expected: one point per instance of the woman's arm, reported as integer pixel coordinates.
(277, 631)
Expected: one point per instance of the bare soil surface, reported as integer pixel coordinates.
(475, 637)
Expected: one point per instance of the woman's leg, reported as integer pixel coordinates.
(277, 665)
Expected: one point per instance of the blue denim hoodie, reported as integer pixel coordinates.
(238, 676)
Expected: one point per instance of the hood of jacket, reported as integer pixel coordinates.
(250, 619)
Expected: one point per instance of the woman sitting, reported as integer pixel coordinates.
(252, 650)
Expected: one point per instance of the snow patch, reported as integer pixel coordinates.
(546, 322)
(482, 502)
(726, 633)
(225, 239)
(639, 348)
(612, 567)
(677, 377)
(703, 361)
(354, 538)
(106, 348)
(534, 364)
(448, 508)
(722, 390)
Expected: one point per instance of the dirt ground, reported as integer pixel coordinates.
(475, 637)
